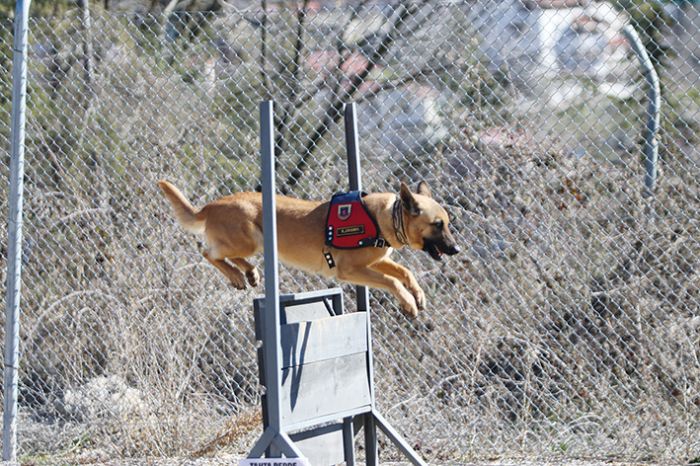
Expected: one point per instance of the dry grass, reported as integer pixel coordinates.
(232, 433)
(568, 327)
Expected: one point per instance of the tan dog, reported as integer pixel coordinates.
(232, 227)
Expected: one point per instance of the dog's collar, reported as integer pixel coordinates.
(397, 220)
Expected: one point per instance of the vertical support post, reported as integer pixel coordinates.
(651, 144)
(355, 179)
(273, 440)
(14, 252)
(349, 441)
(271, 337)
(371, 450)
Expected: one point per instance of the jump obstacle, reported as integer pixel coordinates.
(315, 361)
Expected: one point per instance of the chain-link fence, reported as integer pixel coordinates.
(569, 326)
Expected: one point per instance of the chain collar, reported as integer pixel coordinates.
(397, 220)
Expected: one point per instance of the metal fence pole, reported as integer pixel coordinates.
(651, 144)
(14, 248)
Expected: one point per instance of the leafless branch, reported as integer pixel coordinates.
(87, 45)
(415, 76)
(290, 106)
(263, 49)
(340, 43)
(333, 109)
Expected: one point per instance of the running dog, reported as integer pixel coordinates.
(232, 227)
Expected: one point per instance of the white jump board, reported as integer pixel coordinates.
(300, 308)
(323, 388)
(323, 445)
(327, 338)
(324, 372)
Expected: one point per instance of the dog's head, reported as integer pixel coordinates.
(426, 222)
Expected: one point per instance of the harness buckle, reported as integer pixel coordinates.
(329, 259)
(380, 243)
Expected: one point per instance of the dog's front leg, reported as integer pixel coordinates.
(394, 269)
(372, 278)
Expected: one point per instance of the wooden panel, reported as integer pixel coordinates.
(323, 445)
(324, 387)
(301, 307)
(304, 312)
(310, 295)
(317, 421)
(328, 338)
(306, 297)
(294, 313)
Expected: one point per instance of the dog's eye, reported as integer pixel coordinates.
(439, 224)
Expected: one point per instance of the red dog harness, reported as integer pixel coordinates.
(349, 225)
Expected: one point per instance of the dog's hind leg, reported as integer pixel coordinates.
(233, 240)
(234, 275)
(251, 273)
(397, 270)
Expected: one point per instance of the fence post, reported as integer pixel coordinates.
(651, 144)
(14, 227)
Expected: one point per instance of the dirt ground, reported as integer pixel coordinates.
(233, 460)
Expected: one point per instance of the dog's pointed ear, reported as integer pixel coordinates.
(424, 189)
(408, 201)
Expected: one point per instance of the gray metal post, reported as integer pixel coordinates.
(271, 337)
(274, 439)
(371, 449)
(349, 441)
(355, 181)
(651, 144)
(14, 252)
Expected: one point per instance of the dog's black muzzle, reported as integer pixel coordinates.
(437, 247)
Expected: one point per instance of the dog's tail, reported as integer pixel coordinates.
(185, 214)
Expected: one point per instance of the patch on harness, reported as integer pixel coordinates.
(344, 211)
(348, 231)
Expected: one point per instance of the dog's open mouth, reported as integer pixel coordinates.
(436, 249)
(433, 249)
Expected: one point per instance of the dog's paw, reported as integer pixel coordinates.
(253, 277)
(238, 283)
(410, 310)
(419, 295)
